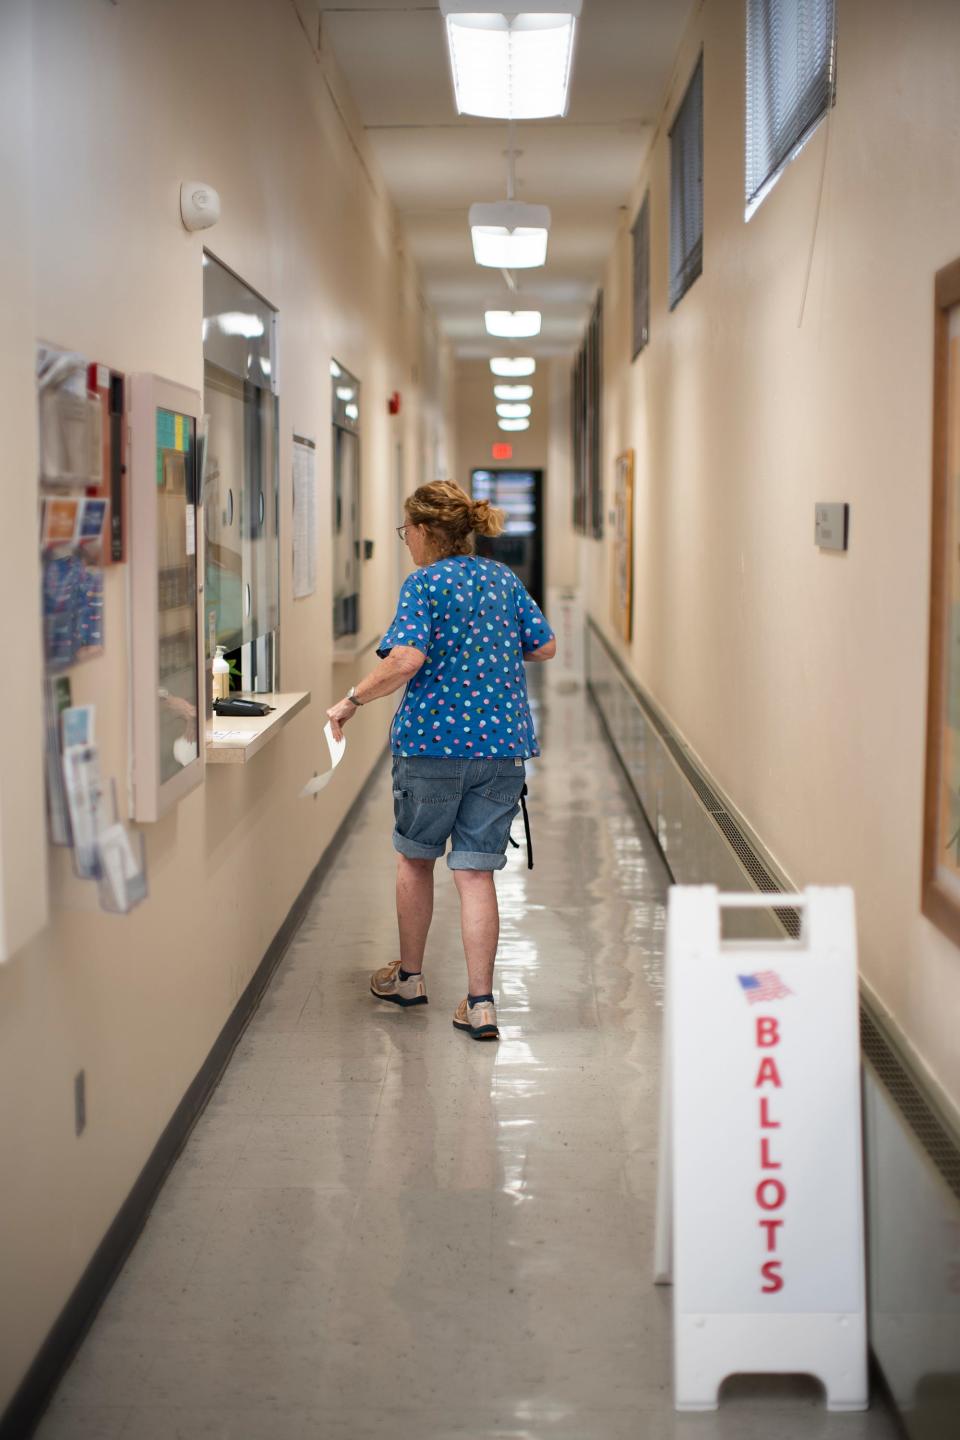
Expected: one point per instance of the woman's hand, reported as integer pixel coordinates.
(339, 714)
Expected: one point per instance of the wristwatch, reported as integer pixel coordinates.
(352, 696)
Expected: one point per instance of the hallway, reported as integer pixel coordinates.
(380, 1229)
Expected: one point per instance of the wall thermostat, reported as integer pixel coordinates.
(831, 526)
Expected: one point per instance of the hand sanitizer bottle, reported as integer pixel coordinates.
(221, 675)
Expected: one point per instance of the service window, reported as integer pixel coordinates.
(347, 558)
(241, 476)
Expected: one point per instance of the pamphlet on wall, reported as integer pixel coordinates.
(123, 874)
(70, 420)
(57, 699)
(72, 531)
(86, 804)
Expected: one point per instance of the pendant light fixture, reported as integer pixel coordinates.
(511, 59)
(512, 324)
(513, 367)
(509, 235)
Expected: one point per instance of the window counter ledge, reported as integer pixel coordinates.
(250, 733)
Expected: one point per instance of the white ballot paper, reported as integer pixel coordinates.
(337, 750)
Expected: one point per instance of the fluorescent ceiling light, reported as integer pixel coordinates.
(511, 59)
(514, 424)
(512, 324)
(335, 370)
(513, 392)
(352, 412)
(344, 392)
(513, 366)
(513, 412)
(235, 322)
(509, 235)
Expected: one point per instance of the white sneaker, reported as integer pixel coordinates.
(478, 1020)
(387, 985)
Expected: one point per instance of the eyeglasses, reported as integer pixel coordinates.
(402, 530)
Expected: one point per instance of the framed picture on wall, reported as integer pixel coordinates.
(622, 598)
(941, 828)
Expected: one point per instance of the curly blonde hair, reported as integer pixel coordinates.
(451, 518)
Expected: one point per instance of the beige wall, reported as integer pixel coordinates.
(23, 888)
(800, 676)
(129, 101)
(562, 545)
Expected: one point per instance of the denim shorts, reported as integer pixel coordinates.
(469, 802)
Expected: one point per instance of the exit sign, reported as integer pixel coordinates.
(502, 451)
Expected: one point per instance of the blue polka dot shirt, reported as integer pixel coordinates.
(473, 620)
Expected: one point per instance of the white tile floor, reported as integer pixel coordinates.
(380, 1228)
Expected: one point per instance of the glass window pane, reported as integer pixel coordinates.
(345, 410)
(346, 532)
(223, 504)
(177, 684)
(242, 465)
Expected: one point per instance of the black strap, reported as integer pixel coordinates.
(526, 827)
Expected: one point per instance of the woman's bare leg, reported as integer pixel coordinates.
(414, 909)
(479, 926)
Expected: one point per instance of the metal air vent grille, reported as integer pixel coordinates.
(746, 853)
(930, 1130)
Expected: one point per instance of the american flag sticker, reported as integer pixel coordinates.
(764, 985)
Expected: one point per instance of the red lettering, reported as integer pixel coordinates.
(771, 1194)
(765, 1122)
(770, 1270)
(768, 1032)
(779, 1191)
(771, 1227)
(768, 1074)
(766, 1162)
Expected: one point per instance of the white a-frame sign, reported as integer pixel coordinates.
(760, 1198)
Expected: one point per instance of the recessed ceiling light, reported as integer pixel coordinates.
(509, 235)
(511, 59)
(514, 424)
(513, 412)
(513, 392)
(513, 366)
(512, 324)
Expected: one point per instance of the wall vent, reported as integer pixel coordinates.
(603, 664)
(934, 1134)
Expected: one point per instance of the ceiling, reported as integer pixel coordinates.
(437, 163)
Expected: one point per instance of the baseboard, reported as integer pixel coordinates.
(32, 1396)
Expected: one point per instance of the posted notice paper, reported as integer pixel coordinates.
(304, 517)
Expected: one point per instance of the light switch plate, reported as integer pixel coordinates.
(831, 525)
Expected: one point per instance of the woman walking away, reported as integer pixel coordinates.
(464, 627)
